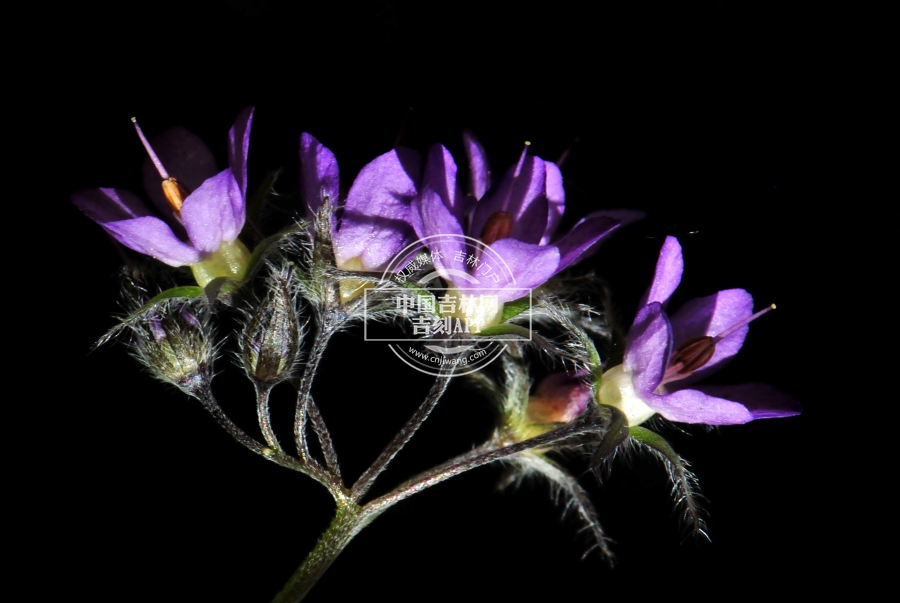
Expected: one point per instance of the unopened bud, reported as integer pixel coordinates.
(558, 399)
(176, 350)
(271, 338)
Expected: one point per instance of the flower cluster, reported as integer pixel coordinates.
(314, 270)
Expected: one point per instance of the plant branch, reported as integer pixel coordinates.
(483, 455)
(367, 479)
(321, 429)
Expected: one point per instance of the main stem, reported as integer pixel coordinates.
(346, 524)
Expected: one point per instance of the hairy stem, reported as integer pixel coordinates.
(351, 518)
(365, 481)
(323, 335)
(346, 524)
(321, 429)
(272, 454)
(481, 456)
(265, 418)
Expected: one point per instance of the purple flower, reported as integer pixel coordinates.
(517, 219)
(665, 356)
(202, 209)
(375, 220)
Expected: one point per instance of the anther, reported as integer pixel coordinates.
(172, 189)
(498, 226)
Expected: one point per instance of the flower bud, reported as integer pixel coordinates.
(558, 399)
(272, 335)
(175, 344)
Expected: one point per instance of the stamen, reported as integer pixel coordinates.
(694, 354)
(746, 321)
(521, 160)
(498, 226)
(159, 166)
(565, 154)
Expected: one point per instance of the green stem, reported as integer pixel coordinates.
(346, 524)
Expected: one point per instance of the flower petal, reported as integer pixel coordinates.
(440, 230)
(185, 157)
(529, 266)
(208, 213)
(151, 236)
(647, 349)
(584, 239)
(556, 200)
(763, 401)
(669, 267)
(238, 144)
(710, 316)
(479, 170)
(104, 205)
(440, 176)
(319, 175)
(521, 194)
(693, 406)
(376, 221)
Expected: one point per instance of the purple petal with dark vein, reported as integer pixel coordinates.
(109, 204)
(151, 236)
(439, 229)
(763, 401)
(692, 406)
(556, 200)
(521, 267)
(667, 276)
(647, 348)
(522, 196)
(709, 316)
(185, 157)
(238, 145)
(319, 175)
(440, 176)
(584, 239)
(208, 213)
(376, 221)
(479, 171)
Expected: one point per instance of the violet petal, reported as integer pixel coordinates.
(556, 200)
(521, 194)
(375, 225)
(667, 276)
(185, 157)
(208, 214)
(238, 145)
(529, 265)
(763, 401)
(151, 236)
(440, 230)
(479, 171)
(709, 316)
(647, 348)
(584, 239)
(319, 175)
(693, 406)
(440, 176)
(109, 204)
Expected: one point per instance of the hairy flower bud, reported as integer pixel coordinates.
(176, 345)
(272, 335)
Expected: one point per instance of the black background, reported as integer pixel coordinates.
(711, 117)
